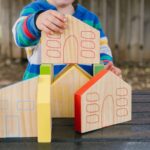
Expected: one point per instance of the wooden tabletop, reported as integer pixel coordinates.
(133, 135)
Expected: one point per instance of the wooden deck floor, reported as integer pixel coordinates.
(134, 135)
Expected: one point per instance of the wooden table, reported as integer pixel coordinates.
(134, 135)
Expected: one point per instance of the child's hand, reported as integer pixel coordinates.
(51, 21)
(114, 69)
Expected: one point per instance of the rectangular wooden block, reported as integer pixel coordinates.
(44, 106)
(79, 44)
(103, 101)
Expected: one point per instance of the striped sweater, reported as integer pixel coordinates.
(27, 35)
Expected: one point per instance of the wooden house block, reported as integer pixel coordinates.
(65, 85)
(20, 104)
(43, 105)
(79, 44)
(103, 101)
(18, 109)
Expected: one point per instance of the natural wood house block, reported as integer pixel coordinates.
(79, 44)
(103, 101)
(44, 105)
(65, 85)
(18, 109)
(18, 102)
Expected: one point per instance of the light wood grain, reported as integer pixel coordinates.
(79, 44)
(18, 109)
(18, 102)
(104, 101)
(65, 85)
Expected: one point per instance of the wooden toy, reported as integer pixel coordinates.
(18, 109)
(63, 88)
(44, 106)
(79, 44)
(97, 68)
(26, 108)
(103, 101)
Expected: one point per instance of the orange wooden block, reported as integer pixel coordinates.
(79, 44)
(103, 101)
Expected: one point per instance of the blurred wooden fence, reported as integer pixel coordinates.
(126, 23)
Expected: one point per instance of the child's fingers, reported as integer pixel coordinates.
(113, 70)
(46, 29)
(117, 71)
(53, 27)
(109, 66)
(56, 22)
(58, 15)
(120, 76)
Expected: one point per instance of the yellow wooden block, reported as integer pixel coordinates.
(43, 109)
(79, 44)
(63, 88)
(19, 103)
(44, 123)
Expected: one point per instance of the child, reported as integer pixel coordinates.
(48, 16)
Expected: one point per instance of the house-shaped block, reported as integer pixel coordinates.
(79, 44)
(26, 108)
(103, 101)
(63, 88)
(18, 110)
(19, 102)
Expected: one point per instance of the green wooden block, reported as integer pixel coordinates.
(97, 68)
(45, 69)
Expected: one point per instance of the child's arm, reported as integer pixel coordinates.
(27, 29)
(105, 51)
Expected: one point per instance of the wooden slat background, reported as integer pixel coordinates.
(126, 23)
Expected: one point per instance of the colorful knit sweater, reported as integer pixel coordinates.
(27, 35)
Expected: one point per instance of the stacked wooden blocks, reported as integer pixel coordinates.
(26, 108)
